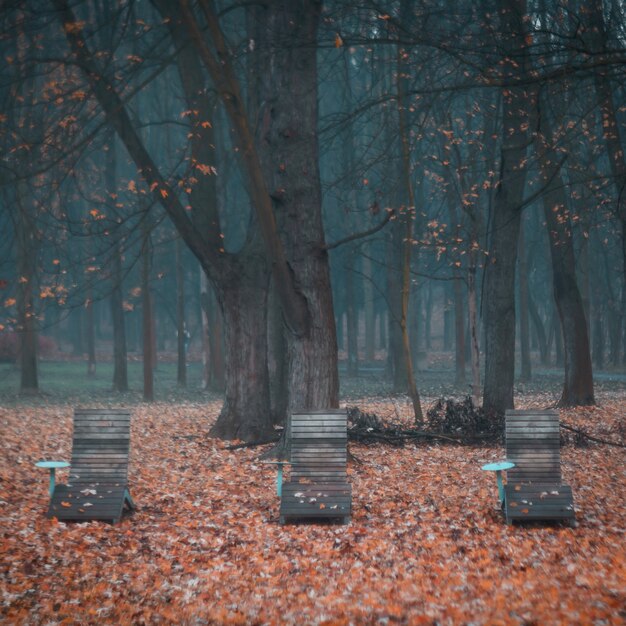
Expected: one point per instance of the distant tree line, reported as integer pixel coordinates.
(283, 182)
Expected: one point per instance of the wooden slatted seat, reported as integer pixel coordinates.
(318, 486)
(534, 490)
(97, 488)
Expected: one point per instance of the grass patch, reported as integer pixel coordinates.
(61, 381)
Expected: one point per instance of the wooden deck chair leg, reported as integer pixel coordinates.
(128, 501)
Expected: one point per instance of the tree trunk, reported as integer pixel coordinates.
(408, 215)
(447, 318)
(523, 308)
(544, 350)
(368, 302)
(611, 128)
(472, 309)
(352, 315)
(277, 360)
(181, 327)
(90, 334)
(288, 151)
(459, 331)
(26, 317)
(578, 383)
(499, 296)
(457, 292)
(245, 413)
(147, 315)
(395, 360)
(120, 371)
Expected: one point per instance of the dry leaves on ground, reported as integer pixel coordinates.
(427, 543)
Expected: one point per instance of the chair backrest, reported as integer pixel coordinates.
(319, 446)
(100, 445)
(533, 444)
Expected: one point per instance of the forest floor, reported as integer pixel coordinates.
(427, 543)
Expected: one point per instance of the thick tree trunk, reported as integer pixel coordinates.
(287, 146)
(518, 102)
(277, 360)
(245, 413)
(212, 331)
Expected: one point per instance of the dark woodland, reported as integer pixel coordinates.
(219, 213)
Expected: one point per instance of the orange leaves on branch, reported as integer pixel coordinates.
(205, 169)
(74, 27)
(338, 40)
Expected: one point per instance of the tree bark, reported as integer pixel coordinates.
(288, 152)
(499, 296)
(612, 130)
(368, 303)
(395, 359)
(245, 413)
(524, 326)
(90, 334)
(544, 352)
(406, 218)
(578, 384)
(26, 317)
(147, 315)
(181, 327)
(352, 315)
(120, 367)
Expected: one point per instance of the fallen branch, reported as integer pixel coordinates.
(252, 444)
(578, 431)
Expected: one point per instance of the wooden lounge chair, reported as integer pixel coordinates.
(318, 486)
(534, 490)
(97, 488)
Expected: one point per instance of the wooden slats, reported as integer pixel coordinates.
(318, 487)
(534, 489)
(100, 448)
(88, 501)
(538, 502)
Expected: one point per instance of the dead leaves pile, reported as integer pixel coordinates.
(427, 543)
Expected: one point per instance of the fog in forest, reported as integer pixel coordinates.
(288, 204)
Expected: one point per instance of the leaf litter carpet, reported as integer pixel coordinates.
(427, 543)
